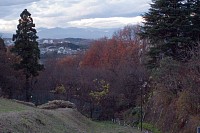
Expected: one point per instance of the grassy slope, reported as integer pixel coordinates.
(9, 106)
(18, 118)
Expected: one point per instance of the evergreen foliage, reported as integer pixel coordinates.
(172, 28)
(26, 46)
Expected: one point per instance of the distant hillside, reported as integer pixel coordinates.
(56, 48)
(19, 118)
(53, 48)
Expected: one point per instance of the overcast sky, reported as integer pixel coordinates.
(73, 13)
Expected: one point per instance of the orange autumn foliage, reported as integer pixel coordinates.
(123, 47)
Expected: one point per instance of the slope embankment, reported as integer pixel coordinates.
(19, 118)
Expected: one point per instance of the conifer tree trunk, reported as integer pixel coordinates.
(27, 89)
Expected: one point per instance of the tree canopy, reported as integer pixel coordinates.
(172, 28)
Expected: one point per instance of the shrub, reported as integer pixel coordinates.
(60, 89)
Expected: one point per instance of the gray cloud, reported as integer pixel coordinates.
(112, 22)
(116, 8)
(15, 2)
(57, 13)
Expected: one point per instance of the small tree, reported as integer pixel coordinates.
(102, 90)
(26, 47)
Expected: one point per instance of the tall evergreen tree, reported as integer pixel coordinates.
(195, 18)
(26, 46)
(170, 26)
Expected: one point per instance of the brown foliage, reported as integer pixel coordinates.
(10, 80)
(175, 98)
(123, 48)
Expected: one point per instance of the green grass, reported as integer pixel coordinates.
(109, 127)
(149, 127)
(10, 106)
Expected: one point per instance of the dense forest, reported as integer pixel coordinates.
(148, 73)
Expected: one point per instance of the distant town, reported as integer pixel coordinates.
(59, 47)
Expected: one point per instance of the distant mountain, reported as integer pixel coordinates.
(72, 32)
(6, 35)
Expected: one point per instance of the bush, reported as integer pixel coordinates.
(57, 104)
(60, 89)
